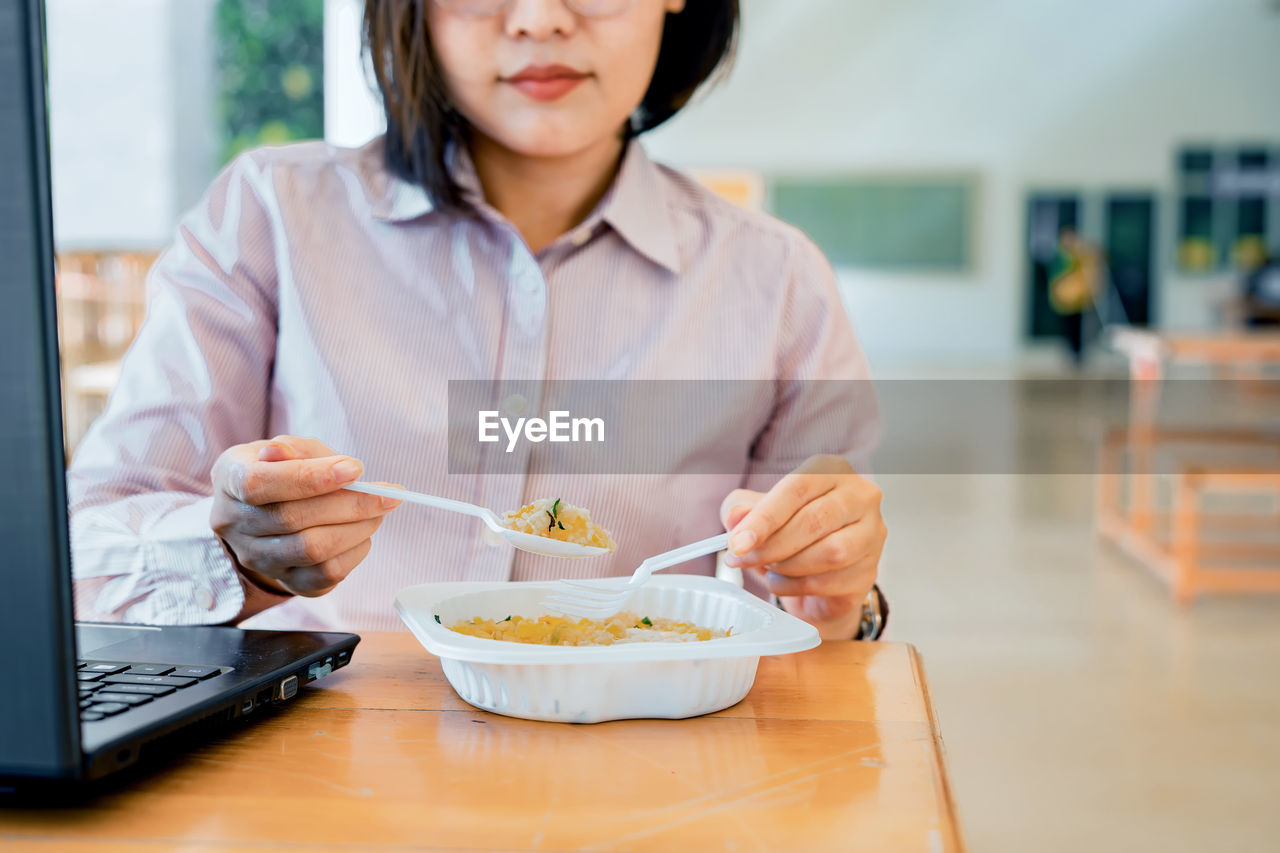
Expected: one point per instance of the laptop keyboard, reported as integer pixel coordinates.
(108, 688)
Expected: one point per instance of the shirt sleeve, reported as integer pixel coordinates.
(825, 401)
(194, 382)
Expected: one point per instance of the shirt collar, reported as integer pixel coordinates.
(392, 199)
(635, 206)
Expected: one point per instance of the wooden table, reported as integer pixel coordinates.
(833, 749)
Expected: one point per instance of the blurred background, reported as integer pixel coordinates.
(1013, 190)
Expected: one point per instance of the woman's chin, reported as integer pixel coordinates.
(551, 139)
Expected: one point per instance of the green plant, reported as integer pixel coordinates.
(270, 57)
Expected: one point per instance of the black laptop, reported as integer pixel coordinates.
(83, 700)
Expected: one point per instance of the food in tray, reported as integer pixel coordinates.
(556, 519)
(624, 627)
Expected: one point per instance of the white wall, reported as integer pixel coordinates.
(352, 113)
(132, 132)
(1022, 93)
(197, 133)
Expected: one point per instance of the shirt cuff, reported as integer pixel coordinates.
(206, 587)
(174, 571)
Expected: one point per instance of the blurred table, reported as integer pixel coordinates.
(833, 749)
(1151, 353)
(1173, 544)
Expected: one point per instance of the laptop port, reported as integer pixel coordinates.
(319, 669)
(264, 696)
(247, 706)
(288, 688)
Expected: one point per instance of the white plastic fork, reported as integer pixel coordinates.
(601, 598)
(524, 541)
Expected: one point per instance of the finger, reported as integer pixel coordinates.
(275, 453)
(736, 505)
(230, 465)
(853, 580)
(293, 447)
(273, 555)
(812, 479)
(311, 581)
(261, 483)
(814, 521)
(845, 547)
(340, 507)
(735, 516)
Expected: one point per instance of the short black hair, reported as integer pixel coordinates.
(422, 121)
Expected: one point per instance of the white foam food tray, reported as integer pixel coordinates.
(590, 684)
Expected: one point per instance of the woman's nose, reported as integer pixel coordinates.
(539, 19)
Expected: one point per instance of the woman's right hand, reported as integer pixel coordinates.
(280, 508)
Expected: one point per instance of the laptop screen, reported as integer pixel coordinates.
(38, 727)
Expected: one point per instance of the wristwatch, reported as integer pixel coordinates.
(875, 616)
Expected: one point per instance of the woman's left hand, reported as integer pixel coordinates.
(816, 537)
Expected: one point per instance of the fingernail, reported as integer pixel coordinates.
(743, 542)
(346, 470)
(388, 503)
(733, 560)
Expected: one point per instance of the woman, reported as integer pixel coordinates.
(506, 227)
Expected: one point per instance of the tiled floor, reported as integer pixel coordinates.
(1081, 708)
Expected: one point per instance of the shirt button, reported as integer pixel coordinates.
(204, 599)
(581, 236)
(516, 404)
(528, 282)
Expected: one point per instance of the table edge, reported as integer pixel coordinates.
(943, 779)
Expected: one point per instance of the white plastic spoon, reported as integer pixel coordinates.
(524, 541)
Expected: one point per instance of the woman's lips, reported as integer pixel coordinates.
(546, 82)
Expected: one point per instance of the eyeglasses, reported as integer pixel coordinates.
(586, 8)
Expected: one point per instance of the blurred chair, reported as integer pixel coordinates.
(102, 299)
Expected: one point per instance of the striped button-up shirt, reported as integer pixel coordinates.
(313, 293)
